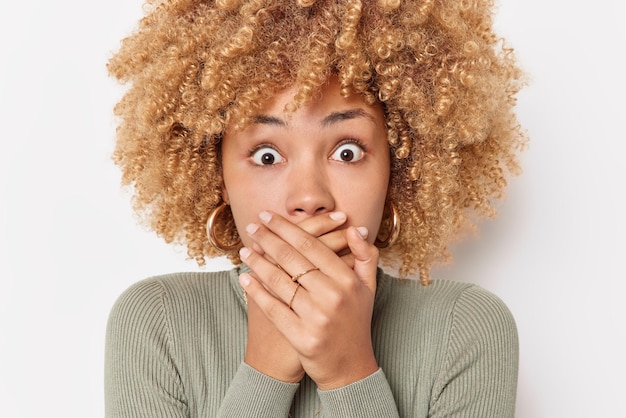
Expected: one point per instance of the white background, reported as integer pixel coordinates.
(69, 244)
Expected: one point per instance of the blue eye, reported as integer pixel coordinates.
(265, 155)
(348, 152)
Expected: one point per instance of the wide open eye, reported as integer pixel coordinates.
(265, 155)
(348, 152)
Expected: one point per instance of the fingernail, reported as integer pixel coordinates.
(265, 216)
(244, 253)
(337, 216)
(362, 231)
(244, 280)
(252, 228)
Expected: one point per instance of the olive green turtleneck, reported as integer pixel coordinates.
(175, 346)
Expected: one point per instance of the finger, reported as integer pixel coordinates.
(276, 311)
(323, 224)
(324, 228)
(272, 277)
(294, 249)
(259, 250)
(336, 241)
(349, 260)
(365, 257)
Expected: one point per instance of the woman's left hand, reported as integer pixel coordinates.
(325, 315)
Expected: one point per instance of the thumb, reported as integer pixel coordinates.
(365, 257)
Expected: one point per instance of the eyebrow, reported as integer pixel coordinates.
(268, 120)
(336, 117)
(331, 119)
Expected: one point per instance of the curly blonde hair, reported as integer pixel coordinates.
(447, 84)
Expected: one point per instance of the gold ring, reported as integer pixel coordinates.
(294, 294)
(297, 276)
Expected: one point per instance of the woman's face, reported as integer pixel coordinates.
(331, 155)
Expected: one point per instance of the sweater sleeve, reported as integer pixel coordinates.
(253, 394)
(369, 397)
(141, 378)
(479, 373)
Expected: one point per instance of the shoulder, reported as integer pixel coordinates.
(483, 328)
(160, 296)
(462, 337)
(458, 308)
(170, 285)
(443, 296)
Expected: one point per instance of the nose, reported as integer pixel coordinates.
(309, 191)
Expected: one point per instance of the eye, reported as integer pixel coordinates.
(266, 155)
(348, 152)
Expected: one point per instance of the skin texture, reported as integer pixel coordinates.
(326, 174)
(308, 177)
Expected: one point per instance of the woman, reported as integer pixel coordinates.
(298, 138)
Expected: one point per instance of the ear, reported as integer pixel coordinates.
(225, 195)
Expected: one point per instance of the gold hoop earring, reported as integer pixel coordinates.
(391, 220)
(212, 235)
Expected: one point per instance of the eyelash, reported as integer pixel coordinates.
(257, 148)
(354, 141)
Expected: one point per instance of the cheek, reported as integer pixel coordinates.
(376, 215)
(377, 191)
(235, 192)
(241, 203)
(248, 195)
(364, 200)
